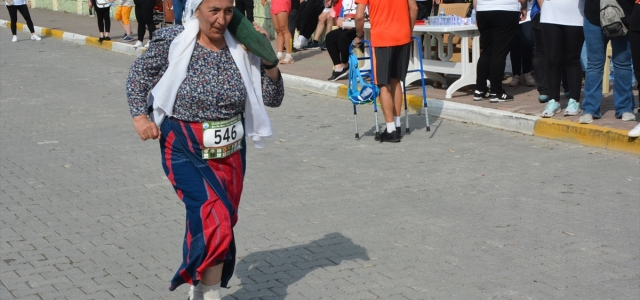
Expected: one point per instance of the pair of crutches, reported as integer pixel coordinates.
(369, 73)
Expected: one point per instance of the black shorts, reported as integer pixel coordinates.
(391, 63)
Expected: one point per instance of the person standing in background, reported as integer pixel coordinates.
(522, 52)
(123, 12)
(280, 18)
(596, 56)
(178, 11)
(103, 13)
(561, 24)
(498, 23)
(634, 38)
(22, 6)
(144, 16)
(424, 9)
(246, 8)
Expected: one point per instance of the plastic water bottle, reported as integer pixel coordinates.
(442, 13)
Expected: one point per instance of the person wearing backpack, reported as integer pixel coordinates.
(598, 25)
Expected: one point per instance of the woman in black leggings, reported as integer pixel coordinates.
(21, 6)
(103, 15)
(144, 16)
(338, 41)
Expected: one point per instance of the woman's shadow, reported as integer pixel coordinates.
(269, 273)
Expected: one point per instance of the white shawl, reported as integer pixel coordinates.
(256, 121)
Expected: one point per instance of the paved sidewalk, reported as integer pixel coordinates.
(607, 132)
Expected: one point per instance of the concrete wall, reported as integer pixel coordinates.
(261, 14)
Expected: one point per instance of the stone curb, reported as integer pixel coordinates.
(585, 134)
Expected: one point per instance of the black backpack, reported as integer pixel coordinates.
(611, 16)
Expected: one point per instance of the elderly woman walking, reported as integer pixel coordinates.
(208, 93)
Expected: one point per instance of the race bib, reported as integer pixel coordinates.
(222, 138)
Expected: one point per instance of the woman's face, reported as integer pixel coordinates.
(214, 17)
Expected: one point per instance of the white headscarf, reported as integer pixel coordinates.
(257, 124)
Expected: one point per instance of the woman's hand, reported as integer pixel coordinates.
(90, 4)
(259, 28)
(264, 2)
(339, 22)
(145, 128)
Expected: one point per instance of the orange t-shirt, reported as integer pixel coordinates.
(390, 22)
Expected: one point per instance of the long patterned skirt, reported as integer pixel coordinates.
(210, 190)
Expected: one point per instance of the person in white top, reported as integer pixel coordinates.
(561, 25)
(22, 6)
(497, 22)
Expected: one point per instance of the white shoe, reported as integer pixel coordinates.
(300, 43)
(628, 116)
(573, 108)
(515, 81)
(35, 37)
(146, 45)
(635, 132)
(138, 44)
(586, 119)
(528, 79)
(14, 39)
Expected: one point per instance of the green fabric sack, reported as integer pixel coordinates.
(255, 42)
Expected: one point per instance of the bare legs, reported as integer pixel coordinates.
(391, 100)
(283, 35)
(212, 275)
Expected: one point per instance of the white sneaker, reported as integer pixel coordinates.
(300, 43)
(35, 37)
(515, 81)
(627, 116)
(146, 45)
(635, 132)
(586, 119)
(551, 109)
(528, 79)
(14, 39)
(138, 44)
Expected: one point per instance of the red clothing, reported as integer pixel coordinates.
(390, 22)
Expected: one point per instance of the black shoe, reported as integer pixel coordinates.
(312, 46)
(335, 75)
(100, 40)
(393, 137)
(478, 95)
(504, 97)
(323, 46)
(106, 38)
(399, 131)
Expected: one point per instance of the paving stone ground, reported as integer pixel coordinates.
(461, 212)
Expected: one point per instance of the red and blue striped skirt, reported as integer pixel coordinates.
(210, 190)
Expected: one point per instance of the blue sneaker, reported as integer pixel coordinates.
(543, 98)
(127, 38)
(551, 109)
(573, 108)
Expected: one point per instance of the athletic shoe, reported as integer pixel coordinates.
(287, 60)
(106, 38)
(127, 38)
(138, 44)
(146, 45)
(393, 137)
(335, 75)
(566, 94)
(551, 109)
(399, 131)
(478, 95)
(528, 79)
(504, 97)
(300, 43)
(635, 132)
(573, 108)
(323, 46)
(14, 39)
(543, 98)
(314, 45)
(586, 119)
(100, 40)
(515, 81)
(35, 37)
(627, 116)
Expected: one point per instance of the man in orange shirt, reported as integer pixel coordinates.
(391, 26)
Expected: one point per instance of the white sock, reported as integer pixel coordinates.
(280, 54)
(195, 292)
(396, 120)
(391, 127)
(210, 292)
(339, 69)
(288, 55)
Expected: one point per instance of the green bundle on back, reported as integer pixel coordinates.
(255, 42)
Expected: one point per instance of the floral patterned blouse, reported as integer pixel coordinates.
(212, 90)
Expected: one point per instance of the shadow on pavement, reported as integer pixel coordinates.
(288, 265)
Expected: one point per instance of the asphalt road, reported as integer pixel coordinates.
(461, 212)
